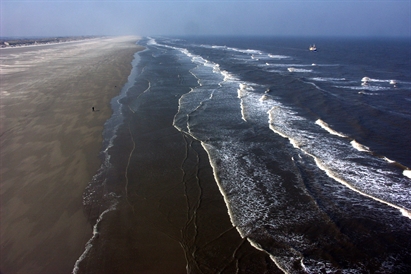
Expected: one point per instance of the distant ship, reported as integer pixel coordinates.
(313, 48)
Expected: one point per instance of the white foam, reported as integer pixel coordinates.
(247, 206)
(246, 86)
(247, 51)
(228, 76)
(271, 118)
(272, 257)
(303, 266)
(95, 235)
(368, 93)
(376, 80)
(359, 146)
(334, 157)
(216, 68)
(365, 79)
(327, 79)
(248, 100)
(242, 93)
(208, 148)
(325, 126)
(151, 42)
(331, 174)
(388, 160)
(407, 173)
(365, 87)
(288, 65)
(255, 54)
(197, 59)
(292, 69)
(274, 56)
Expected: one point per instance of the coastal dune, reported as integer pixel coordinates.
(50, 141)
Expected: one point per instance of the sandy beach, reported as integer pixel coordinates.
(50, 141)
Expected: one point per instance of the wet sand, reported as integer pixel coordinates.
(50, 141)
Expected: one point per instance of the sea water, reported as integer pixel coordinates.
(310, 150)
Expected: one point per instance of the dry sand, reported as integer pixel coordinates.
(50, 140)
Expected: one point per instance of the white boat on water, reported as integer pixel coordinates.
(313, 48)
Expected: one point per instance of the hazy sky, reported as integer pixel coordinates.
(220, 17)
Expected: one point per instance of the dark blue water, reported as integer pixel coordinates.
(310, 150)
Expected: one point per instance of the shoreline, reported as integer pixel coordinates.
(163, 211)
(50, 140)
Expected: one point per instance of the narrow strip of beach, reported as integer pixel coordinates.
(50, 140)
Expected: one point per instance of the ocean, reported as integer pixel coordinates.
(310, 150)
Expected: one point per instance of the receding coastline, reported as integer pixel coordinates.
(50, 141)
(10, 42)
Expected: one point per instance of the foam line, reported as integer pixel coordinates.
(240, 96)
(226, 200)
(242, 92)
(388, 160)
(359, 146)
(327, 79)
(325, 126)
(274, 259)
(331, 174)
(230, 214)
(278, 56)
(95, 235)
(356, 145)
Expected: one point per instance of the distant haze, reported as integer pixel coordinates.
(172, 17)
